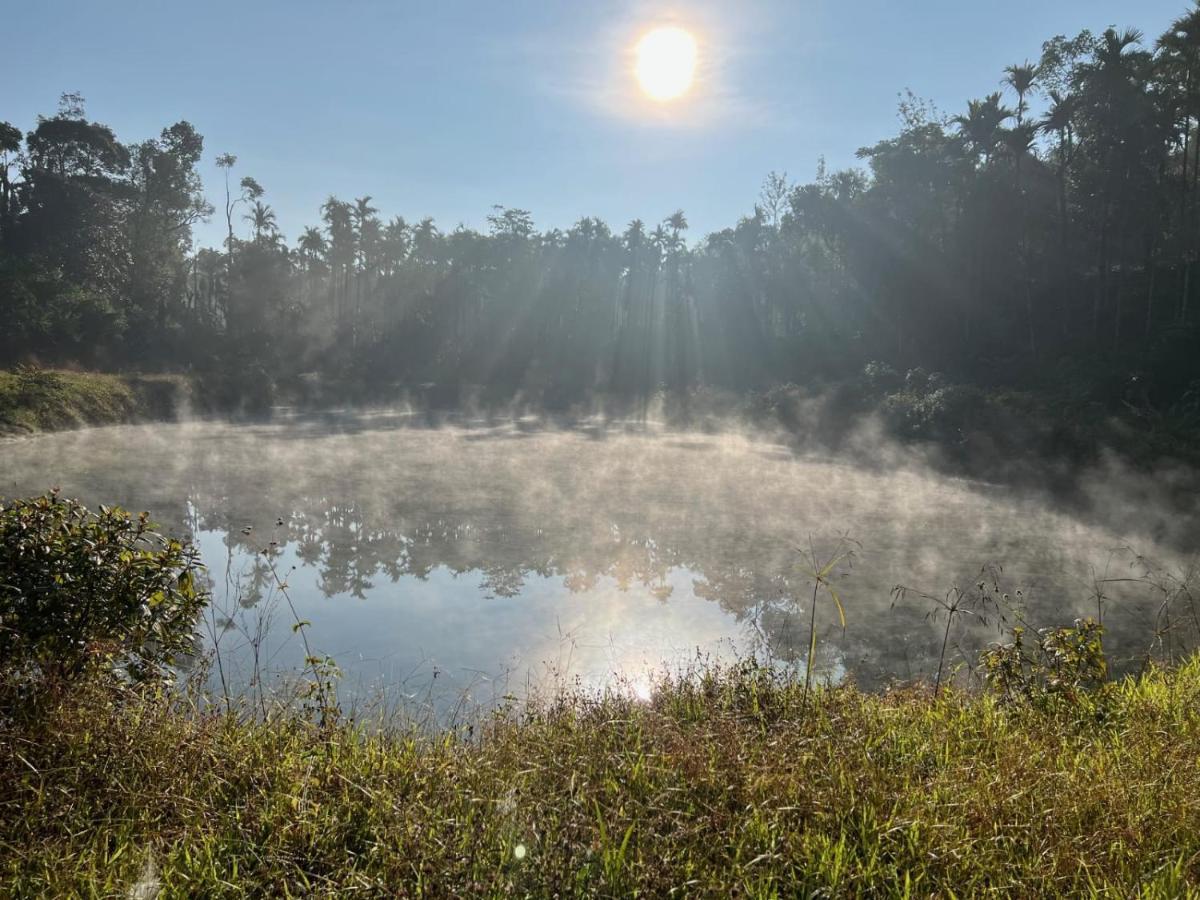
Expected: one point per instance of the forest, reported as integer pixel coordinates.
(847, 550)
(1045, 234)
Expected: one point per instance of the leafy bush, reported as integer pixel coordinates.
(930, 409)
(81, 590)
(1062, 662)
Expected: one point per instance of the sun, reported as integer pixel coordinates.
(666, 63)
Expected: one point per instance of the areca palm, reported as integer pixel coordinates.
(1179, 61)
(425, 241)
(339, 224)
(394, 243)
(1021, 78)
(262, 218)
(981, 125)
(363, 214)
(1060, 120)
(1115, 118)
(1017, 142)
(677, 222)
(311, 246)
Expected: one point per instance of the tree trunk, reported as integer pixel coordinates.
(1102, 287)
(1152, 272)
(1119, 299)
(1187, 287)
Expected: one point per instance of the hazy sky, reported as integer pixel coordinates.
(446, 108)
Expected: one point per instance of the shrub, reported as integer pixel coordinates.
(1062, 662)
(929, 409)
(880, 378)
(82, 590)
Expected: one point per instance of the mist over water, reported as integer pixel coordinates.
(488, 558)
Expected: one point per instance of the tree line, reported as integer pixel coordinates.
(1049, 227)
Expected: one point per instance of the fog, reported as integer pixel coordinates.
(488, 558)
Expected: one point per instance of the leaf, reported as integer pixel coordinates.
(837, 600)
(300, 624)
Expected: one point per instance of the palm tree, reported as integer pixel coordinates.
(425, 238)
(1179, 58)
(1018, 143)
(1113, 103)
(311, 249)
(262, 218)
(395, 243)
(678, 224)
(981, 125)
(1059, 119)
(339, 224)
(311, 244)
(1021, 79)
(363, 214)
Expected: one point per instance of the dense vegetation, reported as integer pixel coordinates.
(34, 399)
(1045, 236)
(730, 784)
(83, 591)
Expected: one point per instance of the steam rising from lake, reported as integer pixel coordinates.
(491, 555)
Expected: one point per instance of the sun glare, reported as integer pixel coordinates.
(666, 63)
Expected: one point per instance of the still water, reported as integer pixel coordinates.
(478, 561)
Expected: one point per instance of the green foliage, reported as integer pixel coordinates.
(82, 590)
(823, 570)
(34, 399)
(35, 386)
(1052, 220)
(726, 783)
(930, 409)
(1067, 663)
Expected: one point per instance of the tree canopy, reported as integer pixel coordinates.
(1051, 223)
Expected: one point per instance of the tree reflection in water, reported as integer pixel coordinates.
(367, 510)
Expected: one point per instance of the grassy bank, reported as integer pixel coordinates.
(981, 432)
(33, 400)
(725, 784)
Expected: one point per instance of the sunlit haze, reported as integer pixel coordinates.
(666, 62)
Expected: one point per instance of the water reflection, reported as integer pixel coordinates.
(508, 551)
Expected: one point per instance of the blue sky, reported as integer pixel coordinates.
(447, 108)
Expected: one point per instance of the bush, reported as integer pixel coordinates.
(1062, 662)
(82, 590)
(880, 378)
(929, 409)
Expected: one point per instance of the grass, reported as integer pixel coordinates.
(725, 784)
(34, 400)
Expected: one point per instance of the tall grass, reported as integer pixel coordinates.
(731, 781)
(33, 399)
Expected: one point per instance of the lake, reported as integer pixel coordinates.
(474, 561)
